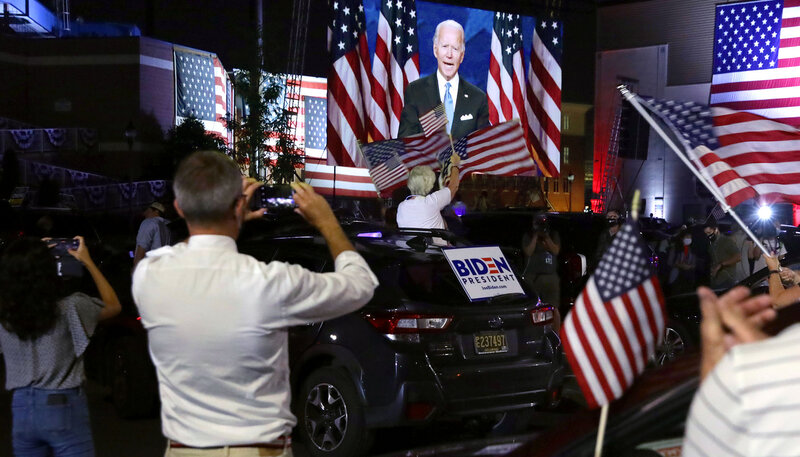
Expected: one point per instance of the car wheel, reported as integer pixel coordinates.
(134, 388)
(331, 417)
(675, 342)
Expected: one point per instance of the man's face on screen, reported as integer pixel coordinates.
(449, 51)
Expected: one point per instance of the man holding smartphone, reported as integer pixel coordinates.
(217, 320)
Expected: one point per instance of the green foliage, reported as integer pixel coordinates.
(264, 137)
(188, 137)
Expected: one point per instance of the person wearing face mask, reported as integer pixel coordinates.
(724, 257)
(683, 265)
(613, 223)
(466, 106)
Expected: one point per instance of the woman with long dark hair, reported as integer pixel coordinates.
(43, 335)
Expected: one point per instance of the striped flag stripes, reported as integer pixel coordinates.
(543, 96)
(390, 160)
(505, 85)
(617, 321)
(762, 75)
(744, 154)
(498, 150)
(340, 181)
(348, 83)
(434, 120)
(395, 65)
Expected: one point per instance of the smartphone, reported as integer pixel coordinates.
(60, 246)
(276, 198)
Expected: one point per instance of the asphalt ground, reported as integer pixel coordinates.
(118, 437)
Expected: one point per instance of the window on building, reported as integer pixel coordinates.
(566, 155)
(555, 185)
(565, 123)
(567, 186)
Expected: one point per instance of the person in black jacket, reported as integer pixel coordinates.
(469, 104)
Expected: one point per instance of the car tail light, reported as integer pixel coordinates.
(542, 315)
(408, 323)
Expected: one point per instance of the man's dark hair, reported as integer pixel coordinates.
(207, 185)
(711, 223)
(29, 289)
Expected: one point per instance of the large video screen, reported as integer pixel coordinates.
(477, 34)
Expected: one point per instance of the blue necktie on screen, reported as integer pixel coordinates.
(449, 107)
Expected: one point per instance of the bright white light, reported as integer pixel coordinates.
(765, 213)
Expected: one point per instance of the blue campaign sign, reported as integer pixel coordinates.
(483, 272)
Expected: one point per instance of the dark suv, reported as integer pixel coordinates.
(419, 351)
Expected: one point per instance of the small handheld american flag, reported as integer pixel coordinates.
(617, 321)
(434, 120)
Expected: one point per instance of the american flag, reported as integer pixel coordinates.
(390, 160)
(201, 90)
(506, 82)
(738, 179)
(434, 120)
(716, 212)
(314, 114)
(543, 98)
(757, 59)
(340, 181)
(617, 321)
(348, 83)
(497, 150)
(387, 171)
(395, 65)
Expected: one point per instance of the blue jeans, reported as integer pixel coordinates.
(46, 420)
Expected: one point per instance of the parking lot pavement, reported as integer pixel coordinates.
(142, 437)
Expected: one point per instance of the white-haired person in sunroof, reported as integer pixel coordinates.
(423, 208)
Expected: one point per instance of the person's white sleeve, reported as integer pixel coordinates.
(440, 198)
(312, 297)
(717, 425)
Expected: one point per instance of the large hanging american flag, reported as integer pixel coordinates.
(757, 59)
(506, 82)
(348, 83)
(202, 90)
(617, 321)
(396, 64)
(543, 96)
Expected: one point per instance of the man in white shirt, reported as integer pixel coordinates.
(466, 105)
(217, 320)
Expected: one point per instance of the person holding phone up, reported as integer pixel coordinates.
(43, 335)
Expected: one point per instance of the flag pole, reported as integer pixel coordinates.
(601, 430)
(632, 98)
(601, 427)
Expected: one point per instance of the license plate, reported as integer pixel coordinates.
(490, 342)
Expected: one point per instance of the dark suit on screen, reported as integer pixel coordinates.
(471, 107)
